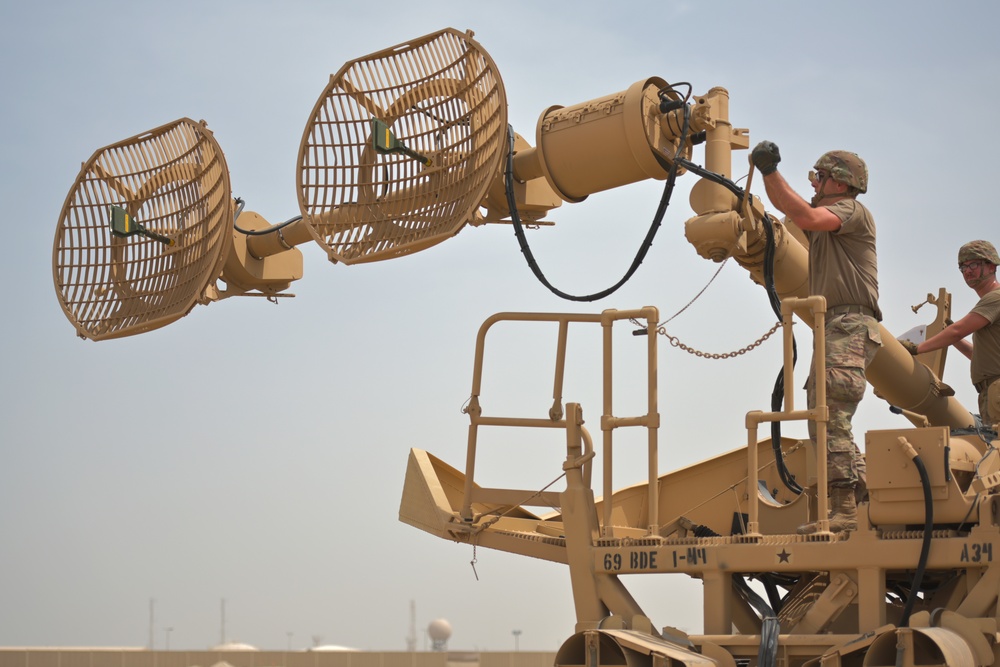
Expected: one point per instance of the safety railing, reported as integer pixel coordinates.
(820, 413)
(609, 422)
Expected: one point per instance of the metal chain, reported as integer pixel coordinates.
(660, 329)
(674, 341)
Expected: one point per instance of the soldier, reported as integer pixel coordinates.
(843, 267)
(977, 260)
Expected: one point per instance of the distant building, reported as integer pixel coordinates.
(234, 646)
(253, 657)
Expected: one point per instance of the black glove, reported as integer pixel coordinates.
(766, 156)
(910, 347)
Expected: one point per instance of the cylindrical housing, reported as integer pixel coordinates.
(718, 140)
(278, 241)
(600, 144)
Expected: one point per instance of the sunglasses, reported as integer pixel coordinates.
(970, 266)
(816, 176)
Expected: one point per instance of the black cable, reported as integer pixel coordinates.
(767, 654)
(778, 393)
(718, 179)
(770, 627)
(640, 255)
(751, 596)
(965, 518)
(771, 588)
(259, 232)
(269, 230)
(925, 547)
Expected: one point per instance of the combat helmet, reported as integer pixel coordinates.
(845, 167)
(978, 250)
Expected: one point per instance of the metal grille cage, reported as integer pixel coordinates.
(173, 184)
(442, 98)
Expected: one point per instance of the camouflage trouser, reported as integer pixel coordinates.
(852, 340)
(989, 404)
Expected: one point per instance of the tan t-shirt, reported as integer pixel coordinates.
(986, 341)
(843, 265)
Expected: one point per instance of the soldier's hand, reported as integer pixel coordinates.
(766, 156)
(910, 346)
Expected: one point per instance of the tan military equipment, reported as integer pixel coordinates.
(408, 145)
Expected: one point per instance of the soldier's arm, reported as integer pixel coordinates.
(955, 334)
(786, 200)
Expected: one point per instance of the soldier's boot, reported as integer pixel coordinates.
(844, 508)
(843, 511)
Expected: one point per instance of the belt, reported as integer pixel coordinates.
(861, 310)
(981, 386)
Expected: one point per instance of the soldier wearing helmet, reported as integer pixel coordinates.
(977, 260)
(843, 268)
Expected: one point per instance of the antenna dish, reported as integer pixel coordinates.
(143, 231)
(402, 147)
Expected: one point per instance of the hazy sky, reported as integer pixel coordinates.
(256, 453)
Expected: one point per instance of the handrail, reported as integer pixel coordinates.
(608, 421)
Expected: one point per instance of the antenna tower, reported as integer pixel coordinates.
(411, 639)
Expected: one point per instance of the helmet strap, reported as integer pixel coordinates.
(984, 278)
(817, 198)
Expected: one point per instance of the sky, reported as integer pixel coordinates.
(254, 453)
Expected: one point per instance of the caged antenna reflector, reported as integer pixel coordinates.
(143, 232)
(401, 148)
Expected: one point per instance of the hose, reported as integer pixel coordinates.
(643, 249)
(925, 547)
(778, 393)
(259, 232)
(771, 588)
(770, 628)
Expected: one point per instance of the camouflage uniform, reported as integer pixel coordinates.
(852, 339)
(989, 404)
(843, 268)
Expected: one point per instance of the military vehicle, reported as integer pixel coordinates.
(407, 146)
